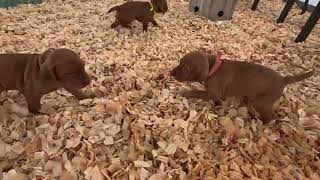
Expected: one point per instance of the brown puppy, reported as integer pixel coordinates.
(140, 11)
(261, 86)
(35, 75)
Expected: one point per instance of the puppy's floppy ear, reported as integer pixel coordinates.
(46, 64)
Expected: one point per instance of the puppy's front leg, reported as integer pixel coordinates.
(154, 22)
(145, 25)
(78, 93)
(33, 102)
(204, 95)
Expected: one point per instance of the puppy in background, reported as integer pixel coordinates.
(140, 11)
(259, 85)
(35, 75)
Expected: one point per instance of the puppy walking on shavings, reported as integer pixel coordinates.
(140, 11)
(259, 85)
(35, 75)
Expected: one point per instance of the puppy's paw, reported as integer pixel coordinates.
(186, 93)
(217, 103)
(91, 96)
(41, 114)
(34, 112)
(86, 96)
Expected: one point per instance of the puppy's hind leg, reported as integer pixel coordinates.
(145, 25)
(126, 21)
(264, 107)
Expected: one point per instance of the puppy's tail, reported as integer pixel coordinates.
(113, 9)
(298, 77)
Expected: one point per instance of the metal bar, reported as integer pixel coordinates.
(305, 6)
(285, 11)
(308, 27)
(255, 5)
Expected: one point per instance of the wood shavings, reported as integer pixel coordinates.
(72, 143)
(4, 149)
(12, 174)
(138, 126)
(228, 125)
(115, 165)
(142, 164)
(171, 149)
(93, 173)
(79, 163)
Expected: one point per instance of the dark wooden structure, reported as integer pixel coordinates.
(307, 28)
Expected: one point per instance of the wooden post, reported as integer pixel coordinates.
(255, 5)
(285, 11)
(307, 28)
(219, 10)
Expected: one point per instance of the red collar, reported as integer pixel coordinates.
(217, 64)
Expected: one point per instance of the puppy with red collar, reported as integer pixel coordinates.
(259, 85)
